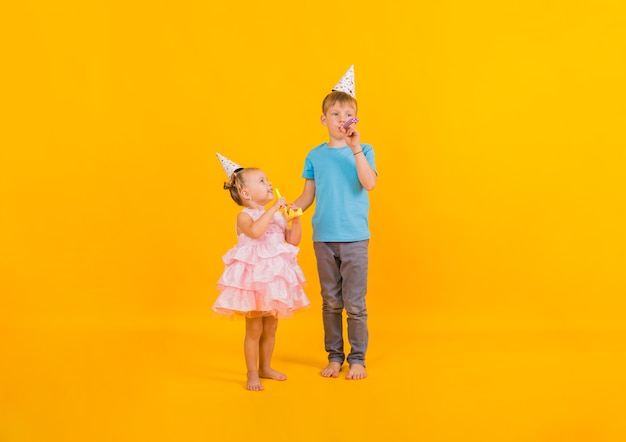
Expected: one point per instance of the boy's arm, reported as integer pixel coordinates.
(367, 175)
(307, 197)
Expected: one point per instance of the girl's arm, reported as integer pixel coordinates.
(293, 232)
(254, 229)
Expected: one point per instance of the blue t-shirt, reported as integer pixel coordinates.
(342, 204)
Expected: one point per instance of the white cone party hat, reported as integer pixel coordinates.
(229, 166)
(346, 84)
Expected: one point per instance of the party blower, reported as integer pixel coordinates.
(288, 211)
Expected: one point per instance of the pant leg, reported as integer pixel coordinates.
(328, 269)
(354, 272)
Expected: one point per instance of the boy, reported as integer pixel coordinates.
(340, 173)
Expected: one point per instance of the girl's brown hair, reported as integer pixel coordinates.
(236, 183)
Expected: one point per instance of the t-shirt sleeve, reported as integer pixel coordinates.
(308, 172)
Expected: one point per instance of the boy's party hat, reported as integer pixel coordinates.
(346, 84)
(228, 166)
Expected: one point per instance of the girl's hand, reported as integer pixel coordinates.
(279, 203)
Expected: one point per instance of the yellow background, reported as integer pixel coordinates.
(497, 282)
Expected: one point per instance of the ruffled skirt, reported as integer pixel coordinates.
(261, 280)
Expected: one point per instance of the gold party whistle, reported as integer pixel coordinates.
(288, 211)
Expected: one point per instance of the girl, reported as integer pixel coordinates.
(262, 280)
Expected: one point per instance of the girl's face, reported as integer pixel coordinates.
(258, 189)
(336, 116)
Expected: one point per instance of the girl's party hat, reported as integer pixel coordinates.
(228, 166)
(346, 84)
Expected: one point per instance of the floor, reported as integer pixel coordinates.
(184, 380)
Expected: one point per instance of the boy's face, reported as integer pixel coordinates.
(336, 116)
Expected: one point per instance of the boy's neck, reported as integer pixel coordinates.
(337, 143)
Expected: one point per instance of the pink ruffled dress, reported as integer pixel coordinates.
(262, 276)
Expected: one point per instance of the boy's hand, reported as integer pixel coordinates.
(290, 211)
(353, 138)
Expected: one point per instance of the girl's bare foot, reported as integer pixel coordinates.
(357, 371)
(254, 383)
(270, 373)
(331, 370)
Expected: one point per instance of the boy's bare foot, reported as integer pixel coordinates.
(357, 371)
(254, 383)
(270, 373)
(331, 370)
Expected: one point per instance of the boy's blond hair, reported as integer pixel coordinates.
(338, 97)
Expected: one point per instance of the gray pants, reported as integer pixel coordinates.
(342, 269)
